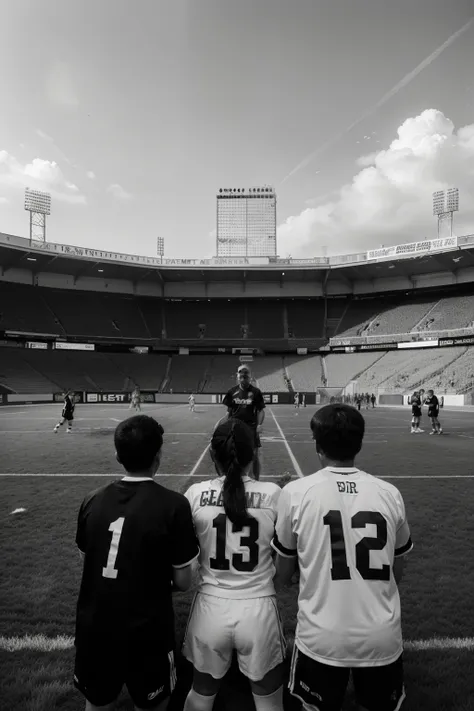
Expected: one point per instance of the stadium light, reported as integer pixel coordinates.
(445, 203)
(38, 204)
(160, 247)
(438, 202)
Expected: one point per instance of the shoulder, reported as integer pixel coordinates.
(195, 490)
(96, 494)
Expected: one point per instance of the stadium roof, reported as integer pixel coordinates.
(434, 257)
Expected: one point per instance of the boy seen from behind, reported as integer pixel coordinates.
(138, 541)
(348, 531)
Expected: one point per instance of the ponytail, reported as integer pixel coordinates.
(235, 502)
(232, 448)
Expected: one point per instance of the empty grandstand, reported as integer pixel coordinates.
(179, 329)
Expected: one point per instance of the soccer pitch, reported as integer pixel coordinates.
(44, 477)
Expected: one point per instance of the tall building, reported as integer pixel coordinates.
(246, 222)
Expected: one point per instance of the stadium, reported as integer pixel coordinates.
(385, 322)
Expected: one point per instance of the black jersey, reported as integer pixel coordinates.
(433, 406)
(416, 406)
(132, 532)
(245, 404)
(68, 408)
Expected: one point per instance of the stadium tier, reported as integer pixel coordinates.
(89, 314)
(182, 326)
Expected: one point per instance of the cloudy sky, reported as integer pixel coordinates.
(133, 114)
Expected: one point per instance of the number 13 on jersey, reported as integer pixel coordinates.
(220, 562)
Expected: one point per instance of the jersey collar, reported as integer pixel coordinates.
(136, 478)
(343, 470)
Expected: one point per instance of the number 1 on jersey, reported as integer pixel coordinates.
(116, 528)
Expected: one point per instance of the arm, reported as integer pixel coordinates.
(185, 546)
(398, 565)
(284, 541)
(182, 579)
(285, 569)
(260, 417)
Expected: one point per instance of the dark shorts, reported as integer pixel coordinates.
(433, 413)
(100, 673)
(323, 687)
(68, 415)
(416, 411)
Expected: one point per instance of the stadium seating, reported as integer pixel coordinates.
(305, 318)
(407, 370)
(342, 368)
(400, 319)
(265, 320)
(269, 373)
(187, 374)
(221, 375)
(19, 376)
(22, 308)
(449, 313)
(220, 320)
(304, 372)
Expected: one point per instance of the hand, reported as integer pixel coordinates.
(259, 429)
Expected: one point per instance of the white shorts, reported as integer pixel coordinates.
(219, 625)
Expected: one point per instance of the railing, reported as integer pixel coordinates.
(401, 337)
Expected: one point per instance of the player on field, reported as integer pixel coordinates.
(246, 403)
(138, 541)
(373, 400)
(235, 606)
(296, 401)
(433, 412)
(135, 400)
(67, 414)
(416, 413)
(192, 402)
(348, 531)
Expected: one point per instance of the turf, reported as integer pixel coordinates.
(41, 567)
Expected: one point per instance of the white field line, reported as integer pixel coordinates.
(42, 643)
(89, 429)
(213, 474)
(292, 457)
(199, 461)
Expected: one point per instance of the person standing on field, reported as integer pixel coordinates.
(137, 540)
(245, 402)
(235, 607)
(349, 533)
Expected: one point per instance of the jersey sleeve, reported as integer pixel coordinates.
(184, 542)
(227, 401)
(403, 542)
(284, 540)
(259, 401)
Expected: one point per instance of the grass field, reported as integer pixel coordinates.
(49, 474)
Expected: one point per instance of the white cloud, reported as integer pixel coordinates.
(4, 200)
(389, 201)
(39, 175)
(90, 174)
(118, 192)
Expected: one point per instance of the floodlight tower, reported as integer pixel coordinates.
(160, 247)
(38, 204)
(445, 203)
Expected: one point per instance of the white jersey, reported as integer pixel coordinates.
(345, 526)
(235, 564)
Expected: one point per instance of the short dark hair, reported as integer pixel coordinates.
(137, 441)
(338, 430)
